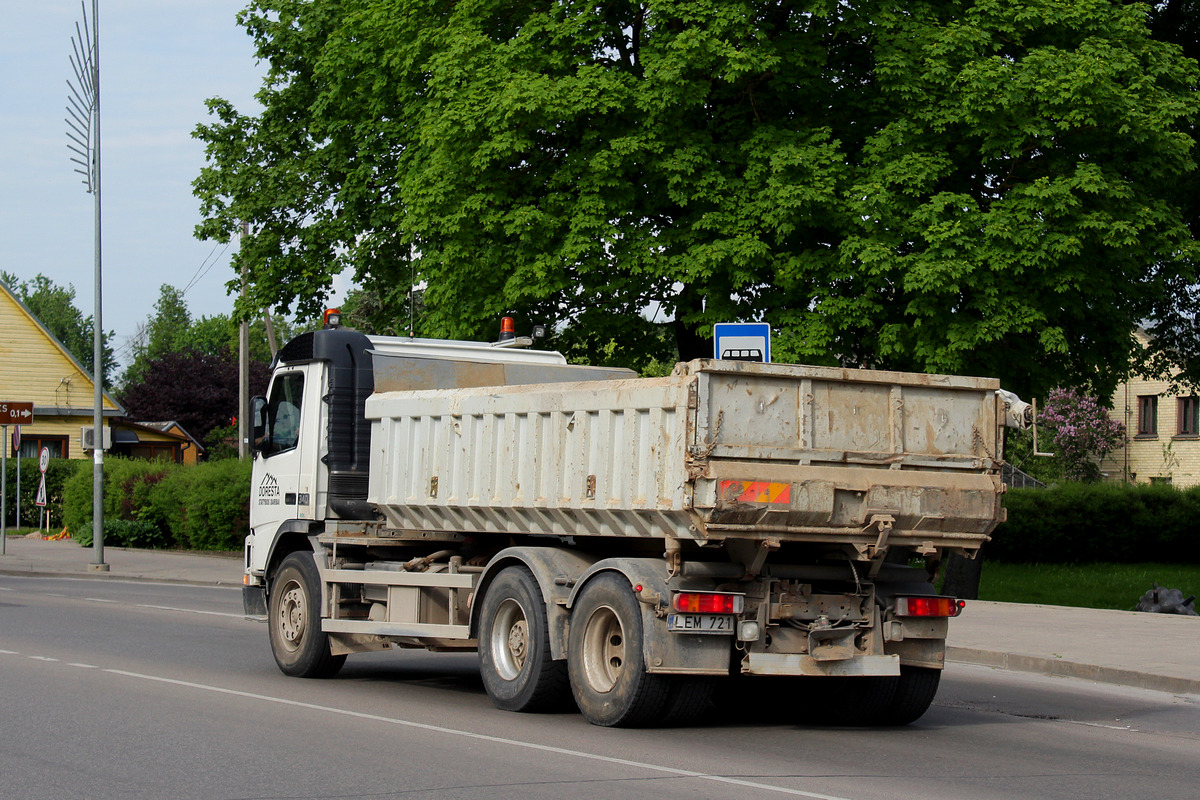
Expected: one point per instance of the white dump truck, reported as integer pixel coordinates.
(629, 544)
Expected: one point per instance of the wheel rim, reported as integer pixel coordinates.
(603, 649)
(292, 617)
(510, 639)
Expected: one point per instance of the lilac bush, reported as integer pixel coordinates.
(1083, 432)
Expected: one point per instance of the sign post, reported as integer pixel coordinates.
(16, 413)
(40, 502)
(4, 491)
(17, 456)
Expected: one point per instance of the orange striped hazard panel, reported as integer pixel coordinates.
(756, 492)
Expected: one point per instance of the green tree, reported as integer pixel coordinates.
(986, 187)
(54, 306)
(171, 330)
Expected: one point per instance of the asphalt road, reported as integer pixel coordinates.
(137, 690)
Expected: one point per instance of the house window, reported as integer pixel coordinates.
(32, 444)
(1147, 415)
(1189, 416)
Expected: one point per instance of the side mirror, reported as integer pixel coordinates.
(258, 413)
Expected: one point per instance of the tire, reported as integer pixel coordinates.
(690, 696)
(605, 658)
(915, 691)
(300, 647)
(514, 647)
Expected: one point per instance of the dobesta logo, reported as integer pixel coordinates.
(268, 491)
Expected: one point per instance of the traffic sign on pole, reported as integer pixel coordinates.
(43, 462)
(15, 413)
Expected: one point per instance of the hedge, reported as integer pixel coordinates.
(1079, 523)
(59, 471)
(155, 504)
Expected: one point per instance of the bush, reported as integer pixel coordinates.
(152, 504)
(59, 472)
(1077, 523)
(127, 489)
(216, 505)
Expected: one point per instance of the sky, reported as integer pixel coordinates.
(159, 61)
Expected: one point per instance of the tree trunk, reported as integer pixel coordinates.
(689, 343)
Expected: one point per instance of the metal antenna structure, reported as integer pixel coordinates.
(83, 129)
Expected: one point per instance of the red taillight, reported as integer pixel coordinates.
(928, 606)
(707, 603)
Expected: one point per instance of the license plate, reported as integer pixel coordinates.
(701, 623)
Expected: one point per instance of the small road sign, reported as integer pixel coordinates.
(742, 341)
(15, 413)
(43, 463)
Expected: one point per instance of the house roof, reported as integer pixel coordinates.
(54, 408)
(169, 427)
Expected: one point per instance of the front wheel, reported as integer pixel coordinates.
(605, 658)
(300, 647)
(514, 646)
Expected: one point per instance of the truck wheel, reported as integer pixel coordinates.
(300, 647)
(514, 646)
(690, 697)
(915, 691)
(605, 660)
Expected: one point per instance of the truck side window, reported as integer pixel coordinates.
(283, 413)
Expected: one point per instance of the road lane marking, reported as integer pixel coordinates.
(192, 611)
(44, 658)
(683, 773)
(99, 600)
(84, 666)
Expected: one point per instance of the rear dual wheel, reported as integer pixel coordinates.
(514, 646)
(607, 664)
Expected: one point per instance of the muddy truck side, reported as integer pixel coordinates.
(627, 544)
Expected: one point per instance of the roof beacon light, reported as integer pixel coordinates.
(333, 318)
(928, 606)
(508, 329)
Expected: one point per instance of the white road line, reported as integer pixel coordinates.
(99, 600)
(44, 658)
(684, 773)
(84, 666)
(193, 611)
(9, 653)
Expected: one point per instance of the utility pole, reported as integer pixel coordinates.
(243, 426)
(83, 123)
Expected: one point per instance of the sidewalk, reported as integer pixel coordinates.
(1148, 651)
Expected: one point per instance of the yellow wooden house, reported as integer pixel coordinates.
(36, 368)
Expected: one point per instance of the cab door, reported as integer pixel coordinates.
(286, 456)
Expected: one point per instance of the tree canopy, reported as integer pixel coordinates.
(54, 306)
(990, 187)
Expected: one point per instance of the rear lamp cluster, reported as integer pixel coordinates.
(708, 603)
(928, 606)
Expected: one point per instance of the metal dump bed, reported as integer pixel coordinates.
(719, 449)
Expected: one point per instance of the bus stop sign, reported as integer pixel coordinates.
(742, 341)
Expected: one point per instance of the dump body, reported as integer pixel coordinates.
(717, 450)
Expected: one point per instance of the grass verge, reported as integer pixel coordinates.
(1118, 586)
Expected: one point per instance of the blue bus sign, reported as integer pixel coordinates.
(742, 341)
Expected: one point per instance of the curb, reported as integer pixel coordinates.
(1017, 662)
(109, 576)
